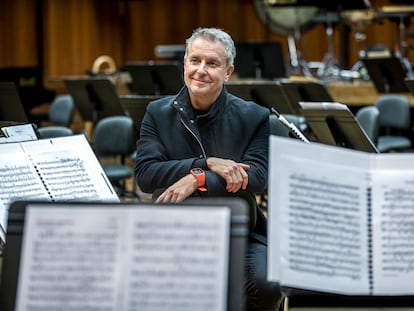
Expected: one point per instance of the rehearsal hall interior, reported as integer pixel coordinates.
(78, 233)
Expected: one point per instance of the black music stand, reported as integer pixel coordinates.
(298, 298)
(11, 107)
(338, 127)
(239, 229)
(95, 98)
(265, 93)
(305, 92)
(154, 78)
(387, 74)
(104, 98)
(76, 86)
(260, 60)
(136, 106)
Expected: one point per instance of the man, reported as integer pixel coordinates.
(206, 142)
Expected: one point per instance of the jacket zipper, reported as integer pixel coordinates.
(195, 136)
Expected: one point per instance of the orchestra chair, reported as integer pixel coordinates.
(60, 117)
(53, 131)
(61, 110)
(368, 118)
(113, 142)
(394, 122)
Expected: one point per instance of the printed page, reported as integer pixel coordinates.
(142, 257)
(70, 169)
(71, 259)
(393, 224)
(178, 259)
(20, 132)
(318, 238)
(18, 179)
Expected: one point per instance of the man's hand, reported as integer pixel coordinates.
(233, 173)
(179, 191)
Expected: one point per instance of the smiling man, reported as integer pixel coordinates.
(206, 142)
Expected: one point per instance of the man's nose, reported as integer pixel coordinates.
(202, 66)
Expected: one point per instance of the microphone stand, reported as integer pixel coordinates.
(290, 126)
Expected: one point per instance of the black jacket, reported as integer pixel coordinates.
(173, 140)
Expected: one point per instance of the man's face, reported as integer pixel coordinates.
(205, 71)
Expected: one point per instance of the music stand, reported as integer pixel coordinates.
(77, 88)
(265, 93)
(387, 74)
(305, 92)
(11, 107)
(95, 98)
(239, 222)
(104, 98)
(154, 78)
(136, 106)
(260, 60)
(338, 127)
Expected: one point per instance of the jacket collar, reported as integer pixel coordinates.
(183, 105)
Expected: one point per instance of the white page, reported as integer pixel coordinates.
(317, 217)
(20, 132)
(393, 224)
(154, 257)
(178, 260)
(18, 179)
(71, 259)
(70, 169)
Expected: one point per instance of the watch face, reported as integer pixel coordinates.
(197, 171)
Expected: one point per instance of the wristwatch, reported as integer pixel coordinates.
(201, 178)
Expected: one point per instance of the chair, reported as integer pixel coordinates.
(114, 138)
(61, 110)
(60, 117)
(368, 118)
(54, 131)
(394, 122)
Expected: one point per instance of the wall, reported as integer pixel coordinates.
(76, 32)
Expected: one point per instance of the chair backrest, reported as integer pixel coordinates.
(54, 131)
(62, 109)
(394, 111)
(114, 135)
(368, 118)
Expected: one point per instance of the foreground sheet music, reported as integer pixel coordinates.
(340, 220)
(105, 258)
(59, 169)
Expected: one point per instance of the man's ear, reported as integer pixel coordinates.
(229, 71)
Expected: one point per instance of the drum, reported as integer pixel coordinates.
(286, 18)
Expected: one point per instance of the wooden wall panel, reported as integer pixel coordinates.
(76, 32)
(18, 33)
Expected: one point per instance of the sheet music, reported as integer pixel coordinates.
(19, 132)
(51, 169)
(178, 260)
(343, 218)
(146, 258)
(69, 169)
(393, 225)
(18, 179)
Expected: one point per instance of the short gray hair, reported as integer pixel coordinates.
(215, 35)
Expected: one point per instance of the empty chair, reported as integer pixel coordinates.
(53, 131)
(113, 143)
(61, 110)
(394, 122)
(60, 118)
(368, 118)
